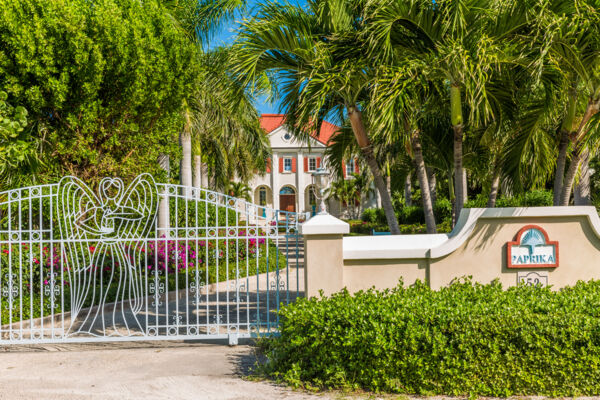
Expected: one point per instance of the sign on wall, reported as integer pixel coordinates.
(532, 249)
(533, 278)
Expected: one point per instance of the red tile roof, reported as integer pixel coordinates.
(270, 122)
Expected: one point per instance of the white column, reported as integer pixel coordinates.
(275, 180)
(300, 182)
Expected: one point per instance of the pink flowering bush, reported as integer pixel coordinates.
(30, 275)
(191, 256)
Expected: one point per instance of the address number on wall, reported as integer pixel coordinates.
(533, 278)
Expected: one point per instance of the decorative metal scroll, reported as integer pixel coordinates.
(141, 262)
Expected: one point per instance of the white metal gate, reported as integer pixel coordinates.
(143, 262)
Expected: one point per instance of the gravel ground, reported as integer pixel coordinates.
(149, 370)
(135, 371)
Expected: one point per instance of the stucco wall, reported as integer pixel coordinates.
(383, 274)
(483, 254)
(477, 248)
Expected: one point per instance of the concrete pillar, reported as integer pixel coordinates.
(300, 182)
(323, 254)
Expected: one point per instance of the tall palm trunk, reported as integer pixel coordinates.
(185, 141)
(495, 187)
(388, 178)
(408, 191)
(451, 195)
(457, 126)
(198, 171)
(578, 156)
(432, 185)
(581, 195)
(579, 153)
(561, 161)
(415, 143)
(465, 187)
(163, 206)
(566, 132)
(360, 133)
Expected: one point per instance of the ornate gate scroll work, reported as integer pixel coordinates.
(90, 265)
(102, 236)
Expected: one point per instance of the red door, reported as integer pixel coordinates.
(287, 202)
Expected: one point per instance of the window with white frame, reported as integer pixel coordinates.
(262, 196)
(349, 167)
(312, 164)
(287, 164)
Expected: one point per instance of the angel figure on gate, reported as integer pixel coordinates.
(102, 234)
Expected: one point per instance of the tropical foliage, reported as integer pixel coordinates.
(221, 128)
(466, 339)
(110, 85)
(18, 152)
(103, 84)
(436, 100)
(46, 270)
(488, 96)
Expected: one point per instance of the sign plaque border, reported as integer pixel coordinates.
(517, 242)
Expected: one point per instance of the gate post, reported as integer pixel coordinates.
(323, 254)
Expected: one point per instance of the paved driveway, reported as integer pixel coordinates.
(134, 371)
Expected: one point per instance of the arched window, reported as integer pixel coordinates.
(262, 196)
(287, 190)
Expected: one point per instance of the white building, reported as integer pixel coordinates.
(287, 185)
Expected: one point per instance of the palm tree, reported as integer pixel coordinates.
(458, 44)
(223, 125)
(401, 101)
(185, 141)
(221, 135)
(315, 58)
(516, 144)
(347, 193)
(239, 190)
(202, 19)
(571, 35)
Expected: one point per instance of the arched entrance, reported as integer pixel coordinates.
(262, 197)
(287, 199)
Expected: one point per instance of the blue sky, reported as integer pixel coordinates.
(227, 35)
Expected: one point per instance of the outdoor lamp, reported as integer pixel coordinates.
(318, 180)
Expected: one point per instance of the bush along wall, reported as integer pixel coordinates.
(466, 339)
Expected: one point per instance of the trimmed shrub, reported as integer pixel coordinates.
(465, 339)
(443, 210)
(411, 215)
(538, 198)
(369, 215)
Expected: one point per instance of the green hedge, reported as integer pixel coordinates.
(534, 198)
(466, 339)
(410, 215)
(443, 207)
